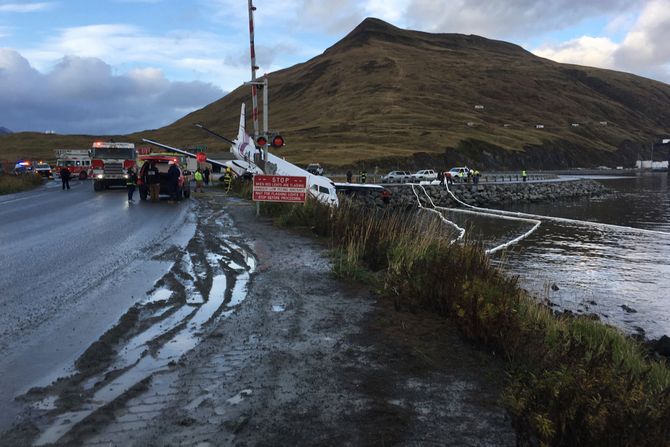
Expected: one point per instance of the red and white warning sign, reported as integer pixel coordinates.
(280, 188)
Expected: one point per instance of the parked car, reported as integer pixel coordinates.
(454, 173)
(425, 175)
(162, 162)
(396, 177)
(315, 168)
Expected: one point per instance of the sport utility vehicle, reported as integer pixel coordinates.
(162, 162)
(396, 177)
(315, 168)
(425, 175)
(43, 169)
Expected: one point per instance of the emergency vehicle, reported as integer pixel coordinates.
(110, 162)
(77, 161)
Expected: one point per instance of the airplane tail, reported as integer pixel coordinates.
(241, 133)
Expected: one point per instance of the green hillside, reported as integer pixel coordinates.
(385, 96)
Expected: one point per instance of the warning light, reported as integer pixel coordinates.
(261, 141)
(277, 141)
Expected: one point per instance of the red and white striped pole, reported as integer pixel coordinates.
(254, 89)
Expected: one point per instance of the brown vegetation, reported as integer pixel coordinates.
(383, 95)
(572, 380)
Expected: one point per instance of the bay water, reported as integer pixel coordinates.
(620, 273)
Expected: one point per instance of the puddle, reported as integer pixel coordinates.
(239, 397)
(48, 403)
(158, 295)
(142, 364)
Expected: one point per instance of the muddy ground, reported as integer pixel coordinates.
(250, 340)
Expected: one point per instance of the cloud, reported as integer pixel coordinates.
(585, 50)
(83, 95)
(25, 7)
(646, 45)
(504, 19)
(642, 50)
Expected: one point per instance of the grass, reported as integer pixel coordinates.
(17, 183)
(572, 380)
(384, 94)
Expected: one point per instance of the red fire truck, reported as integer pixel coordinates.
(77, 161)
(110, 162)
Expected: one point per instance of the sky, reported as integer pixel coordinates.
(119, 66)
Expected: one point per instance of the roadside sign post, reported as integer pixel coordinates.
(280, 188)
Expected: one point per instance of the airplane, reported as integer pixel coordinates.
(248, 157)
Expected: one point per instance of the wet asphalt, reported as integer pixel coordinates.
(71, 263)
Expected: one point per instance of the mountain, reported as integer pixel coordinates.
(384, 96)
(4, 131)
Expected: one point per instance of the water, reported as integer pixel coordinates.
(595, 269)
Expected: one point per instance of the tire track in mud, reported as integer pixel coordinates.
(207, 281)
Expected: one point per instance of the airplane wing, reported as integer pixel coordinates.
(352, 187)
(183, 152)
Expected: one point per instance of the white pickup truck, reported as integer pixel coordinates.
(425, 175)
(396, 177)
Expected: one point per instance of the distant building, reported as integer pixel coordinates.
(507, 125)
(479, 107)
(575, 124)
(603, 123)
(470, 124)
(539, 126)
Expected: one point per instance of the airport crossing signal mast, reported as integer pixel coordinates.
(255, 84)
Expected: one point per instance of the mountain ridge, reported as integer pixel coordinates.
(388, 96)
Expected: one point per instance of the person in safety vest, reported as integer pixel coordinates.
(461, 174)
(228, 178)
(524, 175)
(198, 180)
(475, 177)
(131, 183)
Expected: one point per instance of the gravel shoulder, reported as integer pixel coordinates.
(305, 359)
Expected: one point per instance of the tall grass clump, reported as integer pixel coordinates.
(17, 183)
(572, 380)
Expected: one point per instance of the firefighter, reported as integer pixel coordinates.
(199, 177)
(153, 181)
(173, 180)
(65, 177)
(131, 182)
(228, 178)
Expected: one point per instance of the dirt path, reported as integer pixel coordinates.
(303, 359)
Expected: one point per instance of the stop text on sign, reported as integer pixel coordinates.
(280, 188)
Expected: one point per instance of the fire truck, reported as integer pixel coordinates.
(77, 161)
(110, 162)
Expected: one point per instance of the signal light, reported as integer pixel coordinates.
(261, 141)
(277, 141)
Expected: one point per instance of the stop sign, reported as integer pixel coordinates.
(201, 157)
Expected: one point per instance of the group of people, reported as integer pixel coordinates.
(151, 178)
(463, 177)
(201, 177)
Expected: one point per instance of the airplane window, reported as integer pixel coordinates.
(324, 190)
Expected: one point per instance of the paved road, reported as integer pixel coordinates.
(71, 263)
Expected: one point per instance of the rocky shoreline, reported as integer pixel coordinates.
(485, 194)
